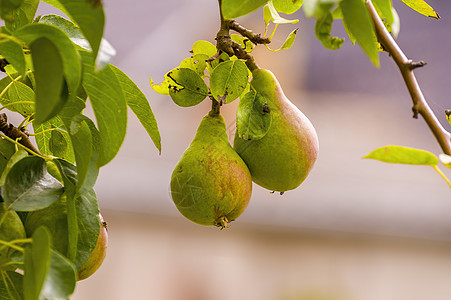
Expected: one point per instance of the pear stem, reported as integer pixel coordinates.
(406, 66)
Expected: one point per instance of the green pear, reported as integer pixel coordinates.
(282, 159)
(211, 185)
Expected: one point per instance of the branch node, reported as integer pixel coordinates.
(415, 112)
(416, 64)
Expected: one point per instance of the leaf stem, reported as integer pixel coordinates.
(25, 148)
(406, 66)
(15, 103)
(442, 175)
(47, 130)
(11, 245)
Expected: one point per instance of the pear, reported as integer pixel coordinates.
(211, 185)
(282, 159)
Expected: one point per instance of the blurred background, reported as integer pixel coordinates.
(356, 229)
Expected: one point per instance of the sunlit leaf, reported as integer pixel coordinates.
(287, 6)
(323, 30)
(232, 9)
(316, 8)
(196, 63)
(289, 41)
(109, 105)
(276, 18)
(403, 155)
(422, 7)
(22, 95)
(204, 47)
(358, 21)
(445, 160)
(253, 117)
(244, 42)
(11, 49)
(228, 80)
(186, 88)
(138, 103)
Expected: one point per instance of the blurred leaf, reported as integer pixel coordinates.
(58, 144)
(267, 17)
(276, 18)
(186, 88)
(11, 285)
(11, 49)
(403, 155)
(323, 30)
(109, 105)
(204, 47)
(48, 73)
(28, 185)
(422, 7)
(89, 18)
(60, 279)
(289, 41)
(359, 23)
(287, 6)
(228, 80)
(66, 49)
(138, 103)
(7, 8)
(7, 150)
(315, 8)
(253, 117)
(384, 9)
(232, 9)
(396, 25)
(106, 51)
(36, 264)
(445, 160)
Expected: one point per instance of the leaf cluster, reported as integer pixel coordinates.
(53, 67)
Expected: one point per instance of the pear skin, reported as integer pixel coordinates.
(282, 159)
(211, 185)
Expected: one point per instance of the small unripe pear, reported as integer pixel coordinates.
(282, 159)
(211, 185)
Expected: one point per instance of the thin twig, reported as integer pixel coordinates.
(406, 66)
(255, 38)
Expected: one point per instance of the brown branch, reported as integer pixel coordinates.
(406, 66)
(15, 133)
(255, 38)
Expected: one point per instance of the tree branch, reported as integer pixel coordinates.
(406, 66)
(15, 133)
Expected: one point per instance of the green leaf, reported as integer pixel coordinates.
(36, 263)
(85, 215)
(323, 30)
(11, 285)
(11, 49)
(28, 185)
(109, 105)
(317, 8)
(422, 7)
(48, 145)
(287, 6)
(162, 88)
(106, 52)
(244, 42)
(228, 80)
(89, 18)
(289, 41)
(7, 150)
(276, 18)
(66, 49)
(21, 94)
(61, 278)
(138, 103)
(232, 9)
(17, 156)
(7, 8)
(403, 155)
(187, 87)
(48, 73)
(253, 117)
(384, 9)
(204, 47)
(445, 160)
(358, 21)
(196, 63)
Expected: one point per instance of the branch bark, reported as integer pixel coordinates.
(406, 66)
